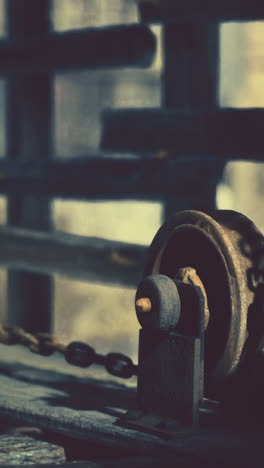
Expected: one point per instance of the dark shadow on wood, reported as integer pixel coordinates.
(79, 393)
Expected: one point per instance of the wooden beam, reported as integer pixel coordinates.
(202, 11)
(29, 136)
(84, 258)
(191, 63)
(95, 178)
(224, 133)
(190, 83)
(117, 46)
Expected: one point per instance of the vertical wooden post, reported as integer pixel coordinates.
(190, 82)
(29, 115)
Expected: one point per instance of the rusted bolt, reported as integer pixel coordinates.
(143, 304)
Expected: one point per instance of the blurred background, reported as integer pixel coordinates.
(100, 314)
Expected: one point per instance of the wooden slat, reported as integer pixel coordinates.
(191, 66)
(224, 133)
(186, 461)
(29, 136)
(84, 404)
(105, 178)
(190, 83)
(117, 46)
(129, 461)
(91, 259)
(204, 10)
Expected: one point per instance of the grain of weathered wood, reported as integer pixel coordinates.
(183, 461)
(224, 133)
(19, 450)
(85, 405)
(87, 258)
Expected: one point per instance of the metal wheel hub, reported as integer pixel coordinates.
(210, 245)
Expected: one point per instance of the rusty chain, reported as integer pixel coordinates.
(76, 353)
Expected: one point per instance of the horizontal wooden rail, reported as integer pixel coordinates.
(202, 10)
(85, 258)
(105, 178)
(115, 46)
(224, 133)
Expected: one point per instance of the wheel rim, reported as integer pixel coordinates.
(211, 245)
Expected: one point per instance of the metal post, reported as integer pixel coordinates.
(29, 113)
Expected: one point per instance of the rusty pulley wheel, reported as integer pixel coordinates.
(212, 246)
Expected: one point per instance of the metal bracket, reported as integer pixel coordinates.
(170, 371)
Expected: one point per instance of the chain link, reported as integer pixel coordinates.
(75, 353)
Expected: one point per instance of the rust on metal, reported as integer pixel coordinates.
(189, 275)
(143, 304)
(211, 245)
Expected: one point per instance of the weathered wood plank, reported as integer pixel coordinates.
(116, 46)
(86, 258)
(17, 449)
(74, 403)
(107, 178)
(191, 66)
(64, 399)
(29, 136)
(190, 83)
(224, 133)
(121, 462)
(191, 10)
